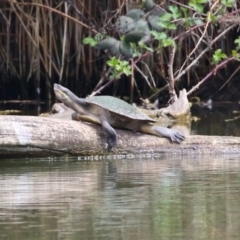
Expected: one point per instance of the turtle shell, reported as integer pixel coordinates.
(118, 107)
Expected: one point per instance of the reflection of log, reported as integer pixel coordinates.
(40, 136)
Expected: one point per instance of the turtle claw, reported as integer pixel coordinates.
(111, 142)
(176, 136)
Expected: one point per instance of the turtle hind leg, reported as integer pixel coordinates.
(171, 134)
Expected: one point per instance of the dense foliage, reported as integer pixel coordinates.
(41, 42)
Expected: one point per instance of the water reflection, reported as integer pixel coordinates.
(161, 198)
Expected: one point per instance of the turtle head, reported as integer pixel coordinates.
(69, 99)
(63, 94)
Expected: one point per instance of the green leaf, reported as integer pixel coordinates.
(136, 54)
(213, 17)
(99, 37)
(197, 21)
(172, 26)
(114, 76)
(175, 12)
(91, 41)
(119, 67)
(113, 62)
(185, 11)
(228, 3)
(196, 7)
(218, 56)
(127, 70)
(143, 46)
(234, 52)
(167, 25)
(237, 41)
(166, 17)
(163, 24)
(159, 35)
(123, 63)
(169, 42)
(236, 55)
(201, 1)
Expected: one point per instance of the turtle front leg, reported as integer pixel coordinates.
(112, 136)
(172, 134)
(104, 119)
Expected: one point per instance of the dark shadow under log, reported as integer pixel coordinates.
(22, 136)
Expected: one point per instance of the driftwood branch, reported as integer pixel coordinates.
(22, 136)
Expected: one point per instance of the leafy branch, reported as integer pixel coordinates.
(180, 24)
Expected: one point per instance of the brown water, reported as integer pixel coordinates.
(136, 198)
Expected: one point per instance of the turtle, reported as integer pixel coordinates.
(111, 112)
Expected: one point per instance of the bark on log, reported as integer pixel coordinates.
(22, 136)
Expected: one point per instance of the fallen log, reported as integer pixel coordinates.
(22, 136)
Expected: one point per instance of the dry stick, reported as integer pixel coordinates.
(80, 13)
(134, 65)
(180, 4)
(56, 11)
(8, 37)
(159, 91)
(200, 55)
(210, 74)
(230, 14)
(35, 58)
(27, 32)
(115, 15)
(5, 58)
(200, 39)
(30, 36)
(203, 52)
(50, 40)
(21, 46)
(195, 61)
(150, 74)
(173, 96)
(144, 76)
(229, 79)
(207, 49)
(64, 42)
(221, 19)
(101, 88)
(132, 81)
(96, 90)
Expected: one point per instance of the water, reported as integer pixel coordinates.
(162, 198)
(26, 108)
(222, 120)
